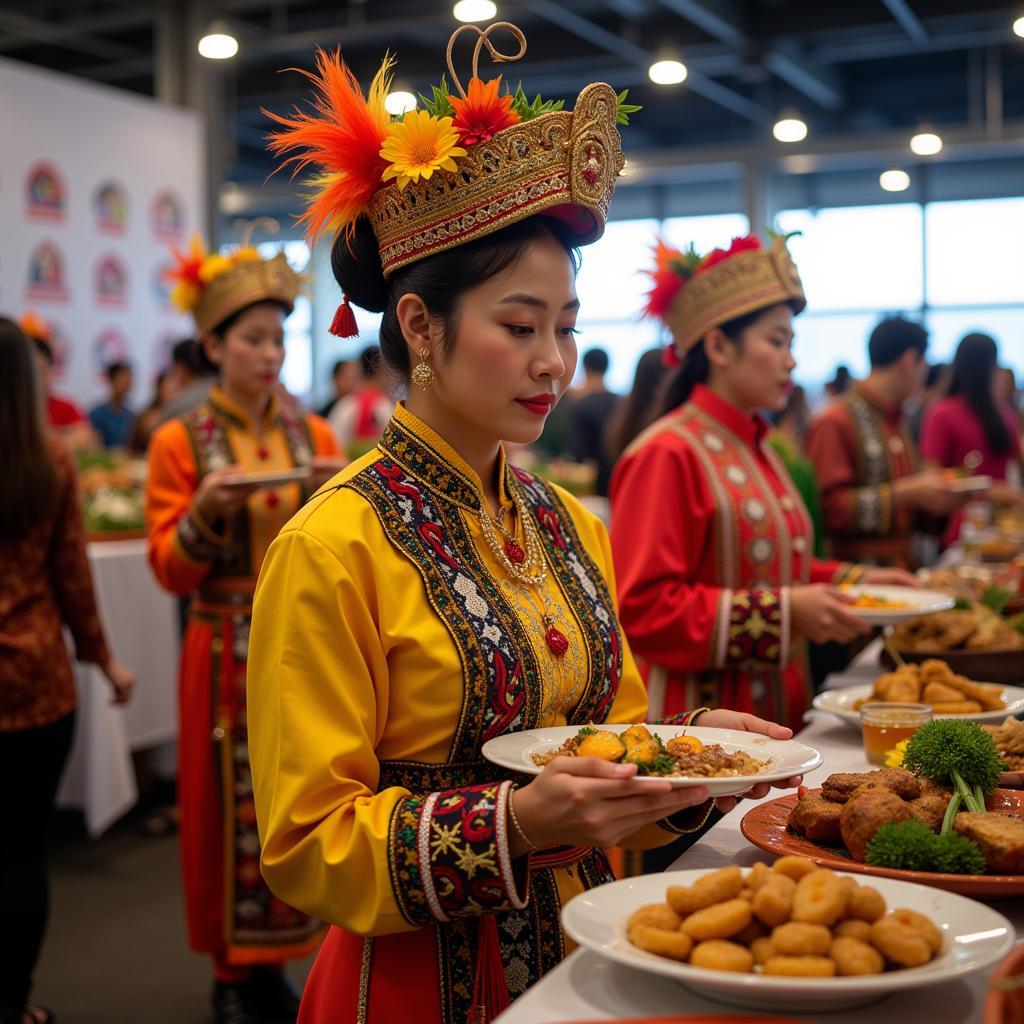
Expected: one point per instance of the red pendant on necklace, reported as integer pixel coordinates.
(516, 555)
(263, 453)
(272, 499)
(556, 641)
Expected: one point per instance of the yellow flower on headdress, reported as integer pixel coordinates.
(246, 254)
(418, 145)
(213, 266)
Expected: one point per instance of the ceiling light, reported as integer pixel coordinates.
(399, 102)
(1018, 27)
(926, 144)
(894, 180)
(790, 128)
(474, 10)
(218, 43)
(667, 72)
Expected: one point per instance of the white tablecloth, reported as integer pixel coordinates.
(587, 987)
(141, 624)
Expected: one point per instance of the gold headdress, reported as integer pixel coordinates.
(462, 167)
(693, 294)
(212, 287)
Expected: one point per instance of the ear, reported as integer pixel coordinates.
(416, 326)
(213, 347)
(718, 348)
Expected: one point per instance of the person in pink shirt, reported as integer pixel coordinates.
(970, 429)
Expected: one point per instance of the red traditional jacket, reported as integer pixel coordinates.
(859, 446)
(708, 534)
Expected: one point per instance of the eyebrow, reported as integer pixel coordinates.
(522, 299)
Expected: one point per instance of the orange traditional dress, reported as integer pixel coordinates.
(391, 642)
(859, 446)
(231, 913)
(708, 530)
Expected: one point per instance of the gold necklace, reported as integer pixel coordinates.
(525, 563)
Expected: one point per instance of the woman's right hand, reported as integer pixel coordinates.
(584, 801)
(821, 614)
(121, 679)
(216, 500)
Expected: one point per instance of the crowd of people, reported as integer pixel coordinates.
(374, 592)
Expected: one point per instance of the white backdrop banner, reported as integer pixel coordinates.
(95, 185)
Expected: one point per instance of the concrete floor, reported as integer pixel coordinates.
(115, 951)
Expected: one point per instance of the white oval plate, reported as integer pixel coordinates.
(268, 478)
(918, 602)
(515, 751)
(974, 936)
(840, 703)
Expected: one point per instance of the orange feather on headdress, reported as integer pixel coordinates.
(342, 139)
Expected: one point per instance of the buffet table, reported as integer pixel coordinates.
(587, 987)
(141, 624)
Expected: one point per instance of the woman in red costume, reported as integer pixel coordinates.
(713, 547)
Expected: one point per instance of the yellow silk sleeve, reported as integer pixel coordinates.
(319, 697)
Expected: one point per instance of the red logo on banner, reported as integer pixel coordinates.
(44, 191)
(167, 216)
(46, 274)
(111, 282)
(111, 208)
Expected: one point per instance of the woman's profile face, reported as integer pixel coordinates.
(250, 355)
(758, 373)
(514, 350)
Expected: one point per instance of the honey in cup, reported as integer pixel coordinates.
(885, 724)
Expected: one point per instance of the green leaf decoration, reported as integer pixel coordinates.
(440, 104)
(624, 109)
(686, 265)
(528, 110)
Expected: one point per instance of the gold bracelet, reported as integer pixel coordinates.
(515, 820)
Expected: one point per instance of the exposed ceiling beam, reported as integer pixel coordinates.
(815, 81)
(39, 31)
(720, 21)
(909, 21)
(613, 43)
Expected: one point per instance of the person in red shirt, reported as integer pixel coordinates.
(62, 415)
(873, 490)
(969, 429)
(45, 584)
(713, 546)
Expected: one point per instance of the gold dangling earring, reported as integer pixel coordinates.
(422, 373)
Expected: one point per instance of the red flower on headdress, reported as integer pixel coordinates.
(665, 277)
(746, 243)
(483, 113)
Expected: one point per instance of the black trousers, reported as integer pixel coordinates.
(31, 762)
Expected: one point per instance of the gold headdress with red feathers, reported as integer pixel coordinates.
(463, 167)
(212, 286)
(692, 294)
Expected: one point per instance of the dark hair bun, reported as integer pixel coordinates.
(356, 265)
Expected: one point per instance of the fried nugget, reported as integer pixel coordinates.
(990, 697)
(958, 707)
(865, 814)
(1000, 838)
(940, 693)
(840, 787)
(901, 686)
(930, 808)
(816, 818)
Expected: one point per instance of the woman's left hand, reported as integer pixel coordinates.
(721, 718)
(890, 578)
(324, 467)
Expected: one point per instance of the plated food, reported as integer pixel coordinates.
(269, 478)
(682, 755)
(821, 944)
(976, 628)
(934, 682)
(1009, 739)
(882, 606)
(715, 765)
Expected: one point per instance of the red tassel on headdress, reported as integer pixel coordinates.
(490, 990)
(344, 323)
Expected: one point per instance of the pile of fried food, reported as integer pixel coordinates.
(934, 682)
(683, 755)
(792, 920)
(851, 807)
(1009, 739)
(975, 629)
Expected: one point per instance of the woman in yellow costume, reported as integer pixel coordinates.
(432, 596)
(208, 533)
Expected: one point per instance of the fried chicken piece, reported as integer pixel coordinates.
(901, 686)
(990, 697)
(816, 818)
(930, 809)
(940, 693)
(864, 814)
(840, 787)
(957, 707)
(1000, 838)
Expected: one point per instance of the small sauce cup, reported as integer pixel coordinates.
(886, 723)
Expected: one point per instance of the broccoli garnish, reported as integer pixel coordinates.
(587, 730)
(663, 764)
(912, 846)
(960, 756)
(906, 845)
